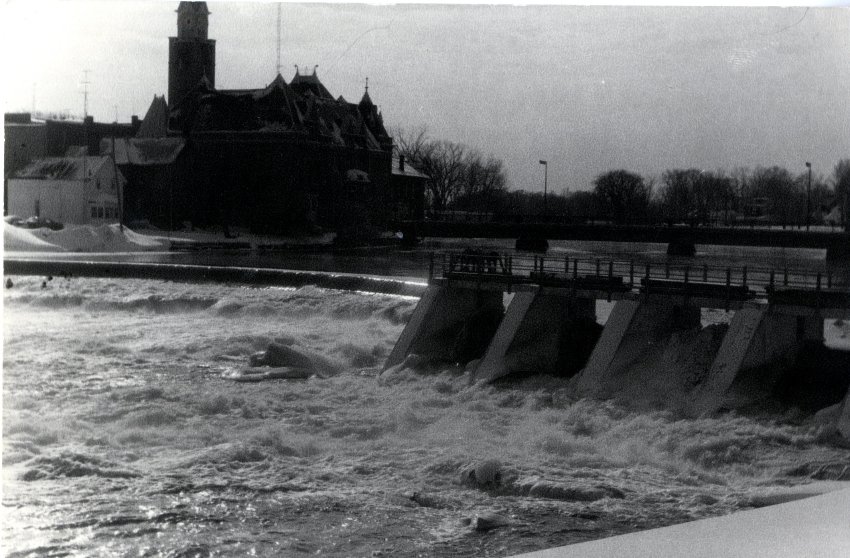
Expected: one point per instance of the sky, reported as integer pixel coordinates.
(587, 88)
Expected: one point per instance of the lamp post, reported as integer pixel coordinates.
(545, 186)
(808, 196)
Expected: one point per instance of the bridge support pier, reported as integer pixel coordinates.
(449, 324)
(531, 243)
(633, 328)
(681, 247)
(758, 347)
(542, 334)
(838, 251)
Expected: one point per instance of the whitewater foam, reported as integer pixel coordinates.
(109, 410)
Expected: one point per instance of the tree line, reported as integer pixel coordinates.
(464, 180)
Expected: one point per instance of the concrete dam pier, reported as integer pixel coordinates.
(654, 340)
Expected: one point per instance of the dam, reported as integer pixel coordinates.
(549, 325)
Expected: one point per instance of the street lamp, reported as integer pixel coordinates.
(545, 186)
(808, 196)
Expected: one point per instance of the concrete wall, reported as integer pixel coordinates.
(541, 334)
(449, 324)
(633, 328)
(759, 346)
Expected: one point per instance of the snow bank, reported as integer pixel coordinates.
(16, 239)
(79, 238)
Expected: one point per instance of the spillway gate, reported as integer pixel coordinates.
(550, 323)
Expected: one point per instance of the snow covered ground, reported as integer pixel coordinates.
(80, 238)
(124, 432)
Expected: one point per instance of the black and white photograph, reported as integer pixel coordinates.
(550, 280)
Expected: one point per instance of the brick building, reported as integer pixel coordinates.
(281, 158)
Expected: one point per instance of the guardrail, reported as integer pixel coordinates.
(612, 275)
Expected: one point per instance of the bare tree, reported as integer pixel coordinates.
(777, 186)
(411, 142)
(442, 161)
(841, 182)
(624, 194)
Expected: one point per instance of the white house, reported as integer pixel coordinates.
(78, 190)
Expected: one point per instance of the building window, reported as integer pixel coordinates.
(100, 213)
(93, 212)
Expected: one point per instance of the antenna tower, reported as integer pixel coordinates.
(278, 37)
(86, 83)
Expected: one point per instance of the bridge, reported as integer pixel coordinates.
(550, 324)
(681, 240)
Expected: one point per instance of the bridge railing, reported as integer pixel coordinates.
(629, 273)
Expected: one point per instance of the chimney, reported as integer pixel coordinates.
(401, 163)
(135, 122)
(89, 120)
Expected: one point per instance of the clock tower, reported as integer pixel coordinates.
(191, 55)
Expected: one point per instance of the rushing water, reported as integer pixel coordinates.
(124, 433)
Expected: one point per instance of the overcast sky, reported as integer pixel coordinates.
(587, 88)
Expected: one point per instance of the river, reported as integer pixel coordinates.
(124, 431)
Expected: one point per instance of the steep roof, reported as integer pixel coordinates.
(366, 101)
(144, 151)
(62, 168)
(408, 169)
(155, 123)
(309, 84)
(303, 106)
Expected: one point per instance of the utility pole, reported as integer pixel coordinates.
(85, 84)
(545, 186)
(808, 196)
(117, 184)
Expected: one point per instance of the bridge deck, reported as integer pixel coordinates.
(728, 236)
(616, 279)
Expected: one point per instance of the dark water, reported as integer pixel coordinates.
(400, 262)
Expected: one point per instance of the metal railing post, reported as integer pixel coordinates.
(631, 274)
(705, 273)
(744, 279)
(430, 266)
